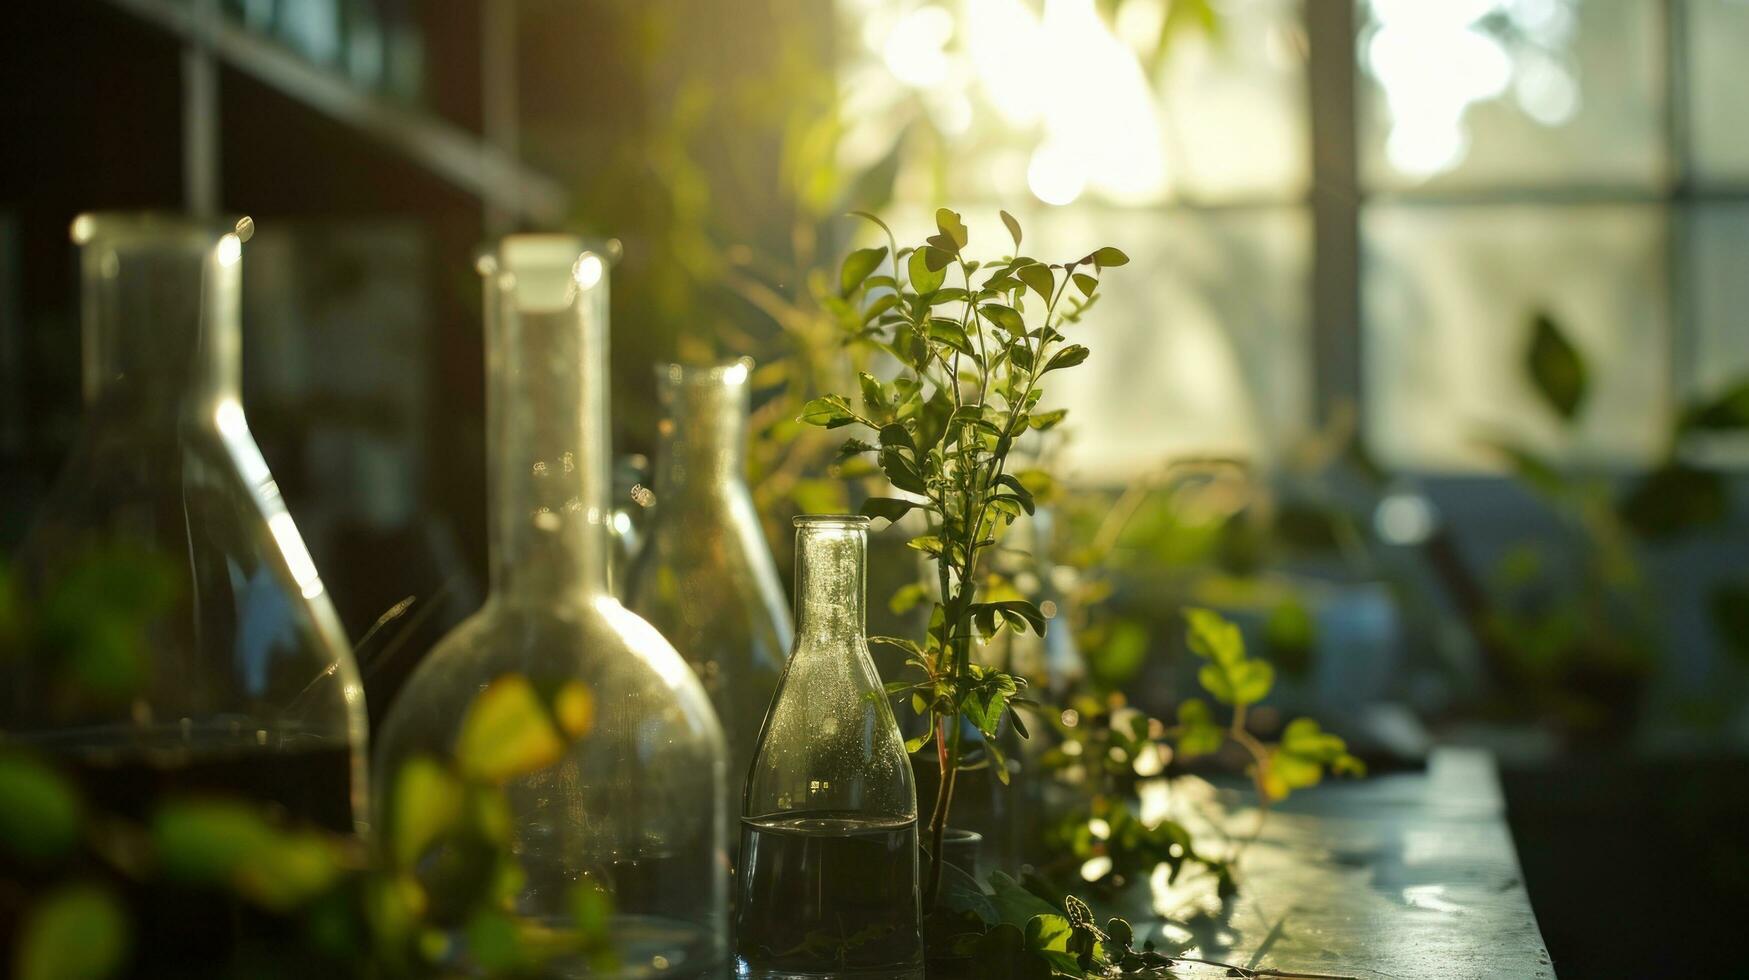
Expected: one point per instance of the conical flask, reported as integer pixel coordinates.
(633, 809)
(705, 577)
(242, 682)
(828, 880)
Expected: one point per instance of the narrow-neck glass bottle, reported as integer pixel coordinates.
(631, 808)
(705, 577)
(828, 879)
(241, 682)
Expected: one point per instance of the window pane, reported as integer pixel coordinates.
(1718, 77)
(1718, 236)
(1465, 94)
(1200, 344)
(1448, 300)
(1072, 100)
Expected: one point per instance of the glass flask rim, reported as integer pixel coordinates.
(855, 522)
(488, 254)
(88, 227)
(733, 373)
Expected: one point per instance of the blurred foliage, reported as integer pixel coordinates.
(1572, 627)
(301, 901)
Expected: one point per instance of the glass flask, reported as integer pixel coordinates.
(705, 577)
(828, 870)
(635, 806)
(242, 680)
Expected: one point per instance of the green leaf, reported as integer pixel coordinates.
(853, 447)
(1015, 905)
(874, 399)
(945, 331)
(227, 842)
(902, 472)
(1674, 498)
(955, 229)
(1729, 607)
(1038, 278)
(1109, 258)
(1238, 682)
(1045, 421)
(895, 436)
(830, 412)
(869, 217)
(857, 267)
(1556, 368)
(908, 595)
(1727, 411)
(1212, 637)
(1198, 734)
(40, 812)
(1013, 227)
(887, 508)
(926, 275)
(932, 420)
(506, 732)
(1005, 317)
(78, 931)
(427, 805)
(493, 943)
(1066, 358)
(1049, 936)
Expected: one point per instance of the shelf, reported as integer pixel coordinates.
(446, 150)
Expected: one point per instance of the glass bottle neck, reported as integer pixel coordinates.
(159, 302)
(701, 447)
(547, 429)
(831, 579)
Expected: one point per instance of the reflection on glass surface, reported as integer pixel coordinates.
(1480, 92)
(1718, 34)
(1448, 298)
(1070, 99)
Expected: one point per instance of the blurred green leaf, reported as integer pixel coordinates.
(493, 943)
(1048, 936)
(40, 812)
(230, 843)
(1556, 368)
(1729, 605)
(78, 931)
(1725, 412)
(1198, 734)
(1673, 498)
(506, 732)
(427, 805)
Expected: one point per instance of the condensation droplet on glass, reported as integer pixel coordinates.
(568, 462)
(540, 468)
(546, 520)
(642, 496)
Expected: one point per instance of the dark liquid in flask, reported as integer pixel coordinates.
(827, 894)
(198, 932)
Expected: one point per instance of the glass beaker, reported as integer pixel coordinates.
(828, 873)
(705, 577)
(634, 808)
(242, 680)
